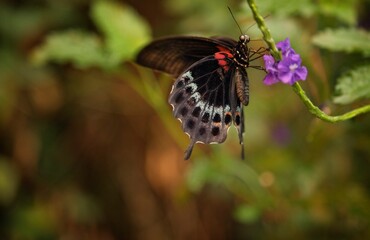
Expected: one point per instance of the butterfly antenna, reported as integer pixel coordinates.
(259, 39)
(232, 15)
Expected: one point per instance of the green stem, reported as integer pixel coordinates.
(265, 31)
(323, 116)
(296, 87)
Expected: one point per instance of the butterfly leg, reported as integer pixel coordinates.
(241, 133)
(259, 68)
(259, 52)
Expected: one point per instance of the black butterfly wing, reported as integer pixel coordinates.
(175, 54)
(206, 96)
(201, 100)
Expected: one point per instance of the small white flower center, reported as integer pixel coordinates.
(293, 67)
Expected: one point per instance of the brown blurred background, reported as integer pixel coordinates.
(91, 151)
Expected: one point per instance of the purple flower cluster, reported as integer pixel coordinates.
(288, 70)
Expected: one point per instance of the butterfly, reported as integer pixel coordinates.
(211, 84)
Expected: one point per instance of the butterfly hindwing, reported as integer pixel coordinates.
(201, 101)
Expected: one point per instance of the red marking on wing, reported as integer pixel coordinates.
(222, 56)
(223, 49)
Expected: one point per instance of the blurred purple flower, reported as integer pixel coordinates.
(288, 70)
(281, 134)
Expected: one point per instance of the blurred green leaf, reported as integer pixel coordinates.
(206, 172)
(73, 46)
(34, 221)
(247, 214)
(233, 174)
(284, 8)
(344, 10)
(82, 207)
(353, 85)
(125, 34)
(198, 175)
(8, 182)
(125, 31)
(198, 24)
(347, 40)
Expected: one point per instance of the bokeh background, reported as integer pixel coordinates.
(89, 148)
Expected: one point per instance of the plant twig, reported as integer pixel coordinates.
(296, 87)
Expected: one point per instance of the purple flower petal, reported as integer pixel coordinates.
(288, 70)
(269, 62)
(301, 73)
(286, 77)
(283, 46)
(270, 79)
(294, 57)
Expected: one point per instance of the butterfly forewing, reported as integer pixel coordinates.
(175, 54)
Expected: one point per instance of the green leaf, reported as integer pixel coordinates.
(125, 31)
(353, 85)
(347, 40)
(247, 214)
(232, 174)
(73, 46)
(8, 181)
(198, 175)
(344, 10)
(125, 34)
(284, 8)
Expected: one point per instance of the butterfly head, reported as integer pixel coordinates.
(241, 51)
(244, 39)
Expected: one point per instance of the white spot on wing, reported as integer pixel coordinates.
(193, 87)
(212, 110)
(227, 108)
(187, 75)
(197, 96)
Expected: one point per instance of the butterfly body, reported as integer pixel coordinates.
(211, 83)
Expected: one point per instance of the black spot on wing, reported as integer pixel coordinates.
(217, 118)
(196, 112)
(179, 97)
(227, 118)
(184, 110)
(180, 84)
(215, 131)
(205, 117)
